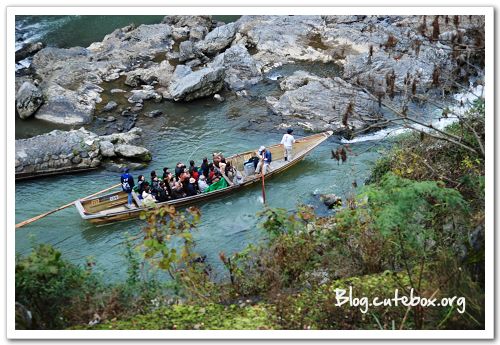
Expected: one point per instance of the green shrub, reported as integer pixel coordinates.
(50, 287)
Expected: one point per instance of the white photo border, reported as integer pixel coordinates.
(488, 333)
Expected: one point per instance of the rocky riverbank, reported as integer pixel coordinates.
(188, 57)
(393, 58)
(60, 152)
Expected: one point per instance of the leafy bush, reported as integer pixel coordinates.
(50, 288)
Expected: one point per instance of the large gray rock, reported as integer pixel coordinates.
(187, 51)
(111, 105)
(282, 39)
(319, 104)
(57, 151)
(28, 100)
(69, 87)
(241, 69)
(133, 152)
(160, 73)
(66, 151)
(70, 78)
(27, 50)
(201, 83)
(68, 107)
(132, 137)
(197, 26)
(139, 96)
(217, 39)
(107, 149)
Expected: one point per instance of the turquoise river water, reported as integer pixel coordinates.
(193, 129)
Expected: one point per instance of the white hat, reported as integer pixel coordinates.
(262, 148)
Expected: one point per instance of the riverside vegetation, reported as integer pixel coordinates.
(418, 223)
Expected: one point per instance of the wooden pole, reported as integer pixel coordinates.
(263, 189)
(40, 216)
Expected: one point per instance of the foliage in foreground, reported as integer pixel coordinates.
(419, 225)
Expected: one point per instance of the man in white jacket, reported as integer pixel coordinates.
(288, 141)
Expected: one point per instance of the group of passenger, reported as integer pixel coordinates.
(185, 181)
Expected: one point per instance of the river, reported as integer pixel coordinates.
(194, 129)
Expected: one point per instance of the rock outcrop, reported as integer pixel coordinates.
(217, 39)
(192, 27)
(319, 104)
(282, 39)
(389, 56)
(241, 69)
(187, 85)
(155, 73)
(70, 78)
(28, 50)
(75, 150)
(28, 99)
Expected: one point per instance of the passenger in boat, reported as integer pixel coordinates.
(250, 165)
(179, 168)
(169, 179)
(193, 170)
(217, 176)
(288, 140)
(140, 186)
(204, 167)
(233, 174)
(165, 173)
(265, 159)
(163, 194)
(177, 191)
(127, 182)
(146, 194)
(216, 158)
(153, 175)
(155, 185)
(202, 183)
(229, 171)
(211, 173)
(191, 187)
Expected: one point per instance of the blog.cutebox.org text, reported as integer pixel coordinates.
(347, 297)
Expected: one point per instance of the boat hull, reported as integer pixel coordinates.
(119, 198)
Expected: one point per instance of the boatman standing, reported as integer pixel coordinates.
(288, 141)
(265, 160)
(127, 184)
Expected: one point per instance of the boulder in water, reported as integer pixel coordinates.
(319, 104)
(154, 113)
(241, 69)
(110, 106)
(198, 84)
(28, 99)
(27, 50)
(218, 98)
(107, 149)
(217, 39)
(133, 152)
(139, 96)
(330, 200)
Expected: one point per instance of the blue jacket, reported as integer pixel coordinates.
(267, 156)
(127, 182)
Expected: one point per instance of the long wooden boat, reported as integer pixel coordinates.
(112, 207)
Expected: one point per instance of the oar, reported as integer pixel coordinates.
(40, 216)
(263, 190)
